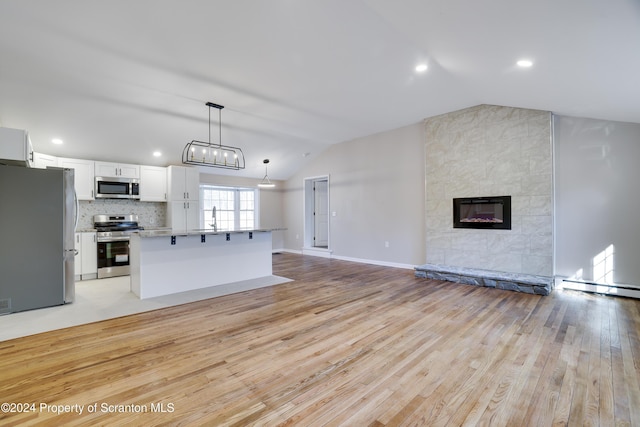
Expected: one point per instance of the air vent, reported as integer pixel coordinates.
(5, 306)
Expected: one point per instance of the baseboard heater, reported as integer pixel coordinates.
(603, 288)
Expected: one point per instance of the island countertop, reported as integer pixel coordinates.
(169, 232)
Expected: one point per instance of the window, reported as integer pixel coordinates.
(235, 207)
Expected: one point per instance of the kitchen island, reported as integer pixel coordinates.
(165, 262)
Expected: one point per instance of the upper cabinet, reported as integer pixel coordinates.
(153, 184)
(83, 177)
(15, 147)
(183, 183)
(123, 170)
(43, 161)
(183, 211)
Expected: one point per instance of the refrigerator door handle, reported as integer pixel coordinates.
(77, 213)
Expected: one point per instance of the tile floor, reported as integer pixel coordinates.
(109, 298)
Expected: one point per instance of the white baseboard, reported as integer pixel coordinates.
(290, 251)
(376, 262)
(321, 252)
(324, 253)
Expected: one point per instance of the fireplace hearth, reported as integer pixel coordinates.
(482, 212)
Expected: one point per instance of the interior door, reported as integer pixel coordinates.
(321, 214)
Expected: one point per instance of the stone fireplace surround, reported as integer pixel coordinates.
(483, 150)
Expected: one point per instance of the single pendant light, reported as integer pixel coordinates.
(266, 182)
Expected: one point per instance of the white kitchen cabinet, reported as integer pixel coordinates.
(89, 255)
(183, 215)
(183, 183)
(153, 184)
(43, 161)
(122, 170)
(77, 262)
(84, 176)
(15, 147)
(86, 261)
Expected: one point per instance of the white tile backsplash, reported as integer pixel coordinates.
(150, 214)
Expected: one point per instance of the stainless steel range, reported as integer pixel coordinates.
(112, 232)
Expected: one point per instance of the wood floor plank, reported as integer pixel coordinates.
(620, 397)
(341, 344)
(605, 394)
(631, 373)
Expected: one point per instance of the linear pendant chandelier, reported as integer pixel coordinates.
(213, 155)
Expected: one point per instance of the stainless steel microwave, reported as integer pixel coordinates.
(117, 188)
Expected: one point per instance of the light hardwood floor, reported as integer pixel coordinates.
(343, 344)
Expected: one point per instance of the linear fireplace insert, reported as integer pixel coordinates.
(482, 212)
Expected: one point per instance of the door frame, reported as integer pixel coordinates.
(308, 218)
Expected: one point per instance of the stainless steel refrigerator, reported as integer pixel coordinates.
(38, 211)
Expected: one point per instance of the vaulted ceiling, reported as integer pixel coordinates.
(119, 79)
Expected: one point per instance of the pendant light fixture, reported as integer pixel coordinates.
(202, 153)
(266, 182)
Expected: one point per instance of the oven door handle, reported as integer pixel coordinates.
(113, 239)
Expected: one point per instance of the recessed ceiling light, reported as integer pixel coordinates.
(157, 154)
(421, 68)
(524, 63)
(56, 141)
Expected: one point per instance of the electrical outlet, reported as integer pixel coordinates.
(386, 244)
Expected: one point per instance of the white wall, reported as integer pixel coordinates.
(597, 198)
(376, 189)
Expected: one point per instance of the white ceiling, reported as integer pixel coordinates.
(118, 79)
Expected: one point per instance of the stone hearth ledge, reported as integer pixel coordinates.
(527, 283)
